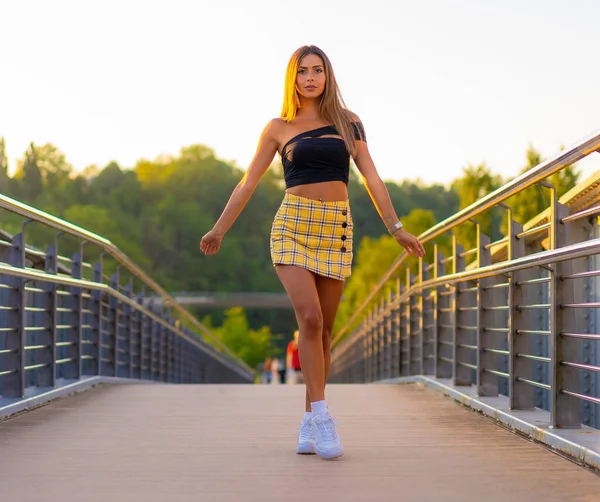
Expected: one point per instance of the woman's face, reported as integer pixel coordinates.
(310, 79)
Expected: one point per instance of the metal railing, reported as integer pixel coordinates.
(62, 319)
(524, 327)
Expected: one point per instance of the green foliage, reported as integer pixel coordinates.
(249, 344)
(475, 183)
(533, 200)
(29, 176)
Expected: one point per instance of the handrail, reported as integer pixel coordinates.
(547, 257)
(32, 213)
(559, 161)
(35, 275)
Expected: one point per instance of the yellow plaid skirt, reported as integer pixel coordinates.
(314, 235)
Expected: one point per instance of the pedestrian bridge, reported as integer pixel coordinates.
(472, 376)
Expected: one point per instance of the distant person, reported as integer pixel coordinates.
(275, 366)
(268, 370)
(293, 360)
(311, 237)
(281, 369)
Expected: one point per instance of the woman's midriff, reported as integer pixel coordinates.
(326, 191)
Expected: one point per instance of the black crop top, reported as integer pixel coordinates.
(318, 155)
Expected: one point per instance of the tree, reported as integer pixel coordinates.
(476, 183)
(29, 176)
(252, 346)
(53, 166)
(533, 200)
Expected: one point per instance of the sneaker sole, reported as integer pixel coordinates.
(330, 455)
(305, 449)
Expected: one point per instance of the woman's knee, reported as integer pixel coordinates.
(311, 322)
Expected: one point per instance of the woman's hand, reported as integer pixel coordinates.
(211, 243)
(409, 242)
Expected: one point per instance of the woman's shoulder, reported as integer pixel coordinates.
(274, 128)
(275, 125)
(357, 126)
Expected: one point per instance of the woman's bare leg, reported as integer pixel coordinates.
(330, 293)
(300, 285)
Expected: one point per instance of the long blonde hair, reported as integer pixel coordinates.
(331, 106)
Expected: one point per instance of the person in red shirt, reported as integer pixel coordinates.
(293, 359)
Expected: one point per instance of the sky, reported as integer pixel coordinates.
(438, 84)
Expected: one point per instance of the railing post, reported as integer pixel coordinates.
(487, 341)
(420, 309)
(441, 368)
(409, 326)
(396, 333)
(127, 332)
(154, 345)
(13, 377)
(428, 330)
(140, 340)
(47, 376)
(389, 334)
(565, 409)
(164, 351)
(361, 369)
(142, 335)
(591, 379)
(172, 348)
(404, 333)
(374, 342)
(72, 366)
(113, 312)
(96, 318)
(521, 393)
(179, 360)
(461, 374)
(167, 337)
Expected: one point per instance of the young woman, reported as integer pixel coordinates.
(311, 238)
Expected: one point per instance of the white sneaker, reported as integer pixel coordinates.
(327, 442)
(306, 442)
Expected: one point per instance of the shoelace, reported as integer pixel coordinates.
(326, 425)
(306, 430)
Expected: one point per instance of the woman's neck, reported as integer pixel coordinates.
(309, 110)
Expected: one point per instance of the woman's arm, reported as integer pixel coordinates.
(381, 199)
(267, 147)
(266, 150)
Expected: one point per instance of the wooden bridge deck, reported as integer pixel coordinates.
(170, 443)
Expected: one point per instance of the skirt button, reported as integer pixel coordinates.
(344, 225)
(343, 250)
(343, 237)
(344, 212)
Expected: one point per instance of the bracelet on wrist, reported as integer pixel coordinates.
(397, 226)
